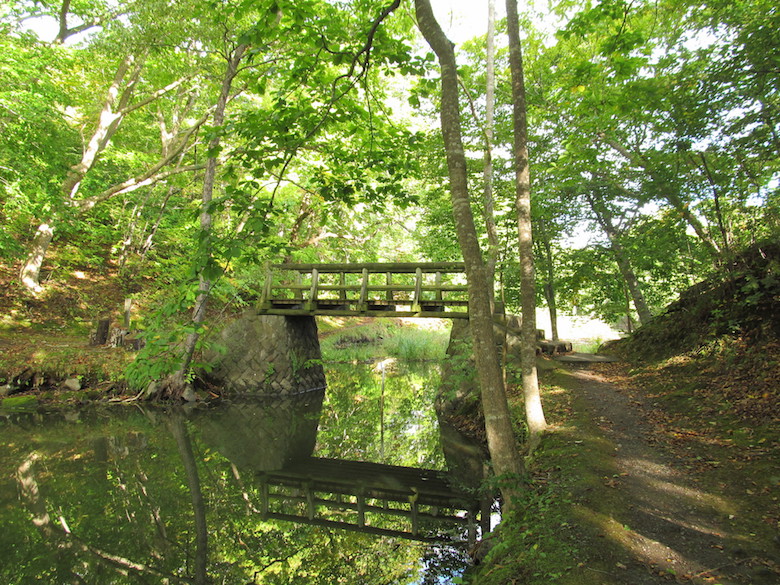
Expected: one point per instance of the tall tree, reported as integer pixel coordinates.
(487, 172)
(498, 422)
(234, 56)
(534, 412)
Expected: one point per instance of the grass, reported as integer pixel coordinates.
(364, 340)
(543, 541)
(54, 358)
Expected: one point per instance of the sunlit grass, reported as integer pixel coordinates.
(381, 339)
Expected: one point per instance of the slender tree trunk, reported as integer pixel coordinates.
(107, 124)
(116, 106)
(549, 285)
(724, 233)
(180, 378)
(670, 194)
(487, 172)
(534, 412)
(498, 422)
(30, 273)
(606, 222)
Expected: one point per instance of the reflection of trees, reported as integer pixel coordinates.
(352, 416)
(114, 499)
(179, 432)
(71, 548)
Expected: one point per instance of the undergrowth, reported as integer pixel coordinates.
(541, 541)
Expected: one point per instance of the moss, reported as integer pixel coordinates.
(13, 403)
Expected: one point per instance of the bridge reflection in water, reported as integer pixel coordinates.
(207, 494)
(390, 500)
(419, 504)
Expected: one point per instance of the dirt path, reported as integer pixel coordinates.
(663, 524)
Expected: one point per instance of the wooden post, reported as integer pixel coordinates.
(314, 290)
(310, 501)
(264, 497)
(389, 282)
(128, 307)
(101, 333)
(362, 303)
(265, 296)
(361, 508)
(415, 519)
(343, 285)
(417, 290)
(438, 286)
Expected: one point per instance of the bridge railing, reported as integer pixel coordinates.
(402, 502)
(434, 289)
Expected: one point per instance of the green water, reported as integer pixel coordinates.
(134, 494)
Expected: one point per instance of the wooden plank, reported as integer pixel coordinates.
(368, 313)
(400, 267)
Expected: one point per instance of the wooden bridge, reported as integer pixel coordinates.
(402, 502)
(372, 289)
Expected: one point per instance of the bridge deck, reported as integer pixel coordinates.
(372, 289)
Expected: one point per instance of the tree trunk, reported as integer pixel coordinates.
(179, 432)
(116, 106)
(605, 220)
(549, 291)
(534, 412)
(180, 379)
(671, 196)
(487, 171)
(30, 273)
(500, 434)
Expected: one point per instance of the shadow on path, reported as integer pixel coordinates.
(662, 525)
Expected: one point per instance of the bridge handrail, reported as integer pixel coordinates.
(375, 267)
(307, 294)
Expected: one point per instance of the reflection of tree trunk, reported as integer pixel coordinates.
(63, 538)
(621, 258)
(534, 413)
(498, 421)
(179, 432)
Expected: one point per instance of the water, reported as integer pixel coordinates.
(209, 495)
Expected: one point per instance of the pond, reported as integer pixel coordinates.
(307, 489)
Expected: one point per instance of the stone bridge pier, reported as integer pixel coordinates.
(269, 355)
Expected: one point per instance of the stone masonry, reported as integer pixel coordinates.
(268, 355)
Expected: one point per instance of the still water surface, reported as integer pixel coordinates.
(133, 494)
